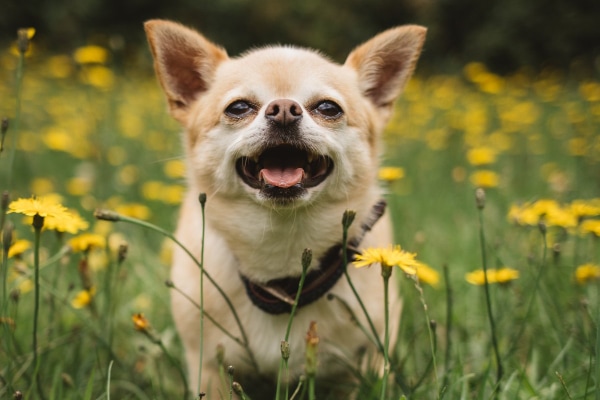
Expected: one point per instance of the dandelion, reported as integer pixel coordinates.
(41, 206)
(426, 274)
(481, 156)
(502, 276)
(86, 242)
(590, 226)
(586, 273)
(83, 298)
(18, 248)
(391, 174)
(175, 169)
(485, 179)
(134, 210)
(387, 257)
(71, 222)
(91, 55)
(24, 36)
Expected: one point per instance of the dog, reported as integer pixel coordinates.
(282, 141)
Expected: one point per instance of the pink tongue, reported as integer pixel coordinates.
(283, 178)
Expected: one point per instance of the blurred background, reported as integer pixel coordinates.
(503, 34)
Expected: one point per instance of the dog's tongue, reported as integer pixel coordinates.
(282, 177)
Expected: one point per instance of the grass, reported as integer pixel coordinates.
(98, 135)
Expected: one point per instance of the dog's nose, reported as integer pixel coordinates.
(284, 112)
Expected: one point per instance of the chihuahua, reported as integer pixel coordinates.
(280, 141)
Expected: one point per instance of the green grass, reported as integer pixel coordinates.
(111, 144)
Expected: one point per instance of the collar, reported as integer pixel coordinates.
(277, 296)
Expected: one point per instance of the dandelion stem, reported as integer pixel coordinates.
(386, 272)
(38, 223)
(488, 300)
(283, 365)
(19, 85)
(449, 304)
(202, 199)
(117, 217)
(345, 227)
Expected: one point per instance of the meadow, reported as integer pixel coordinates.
(484, 172)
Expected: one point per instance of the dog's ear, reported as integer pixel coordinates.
(385, 63)
(185, 62)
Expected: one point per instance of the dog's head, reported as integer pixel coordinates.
(281, 125)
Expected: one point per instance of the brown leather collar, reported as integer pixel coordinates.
(277, 296)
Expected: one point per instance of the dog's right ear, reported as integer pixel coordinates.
(185, 63)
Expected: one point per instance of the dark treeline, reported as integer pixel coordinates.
(505, 34)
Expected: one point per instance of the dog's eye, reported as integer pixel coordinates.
(239, 109)
(328, 109)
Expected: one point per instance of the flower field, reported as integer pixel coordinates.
(503, 302)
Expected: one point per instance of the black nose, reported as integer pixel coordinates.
(284, 112)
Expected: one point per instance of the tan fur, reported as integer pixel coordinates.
(260, 238)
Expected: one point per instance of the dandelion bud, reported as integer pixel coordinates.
(5, 201)
(480, 198)
(107, 215)
(15, 295)
(169, 283)
(433, 325)
(230, 370)
(348, 218)
(201, 395)
(17, 395)
(202, 199)
(306, 259)
(122, 252)
(24, 36)
(7, 236)
(285, 350)
(237, 388)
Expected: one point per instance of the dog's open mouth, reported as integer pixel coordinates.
(284, 171)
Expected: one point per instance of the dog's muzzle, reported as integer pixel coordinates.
(284, 171)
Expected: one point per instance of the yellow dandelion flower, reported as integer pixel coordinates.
(134, 210)
(387, 257)
(585, 208)
(481, 156)
(86, 242)
(175, 169)
(590, 226)
(18, 248)
(391, 174)
(70, 222)
(91, 55)
(98, 76)
(140, 323)
(485, 179)
(83, 298)
(43, 206)
(503, 275)
(173, 194)
(587, 272)
(426, 274)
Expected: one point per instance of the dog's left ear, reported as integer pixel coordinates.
(386, 62)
